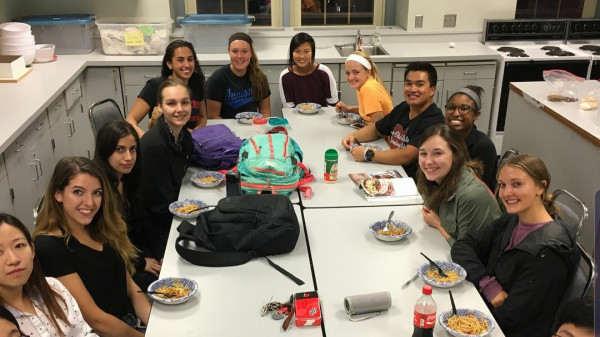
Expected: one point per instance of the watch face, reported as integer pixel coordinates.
(370, 154)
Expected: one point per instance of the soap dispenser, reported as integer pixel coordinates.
(376, 40)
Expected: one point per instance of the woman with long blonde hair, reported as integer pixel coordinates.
(362, 74)
(81, 239)
(239, 86)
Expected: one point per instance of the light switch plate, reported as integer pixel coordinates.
(418, 21)
(449, 20)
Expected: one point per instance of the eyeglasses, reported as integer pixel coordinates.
(462, 109)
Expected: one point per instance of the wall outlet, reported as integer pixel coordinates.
(418, 21)
(449, 20)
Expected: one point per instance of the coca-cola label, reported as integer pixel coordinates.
(424, 321)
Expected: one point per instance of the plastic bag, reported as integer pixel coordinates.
(564, 85)
(589, 101)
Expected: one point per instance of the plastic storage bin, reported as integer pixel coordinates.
(210, 33)
(134, 36)
(70, 33)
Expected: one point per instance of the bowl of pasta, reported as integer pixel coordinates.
(430, 274)
(398, 231)
(247, 117)
(172, 290)
(207, 178)
(466, 323)
(188, 208)
(308, 108)
(347, 118)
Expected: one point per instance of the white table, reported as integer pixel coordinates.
(229, 299)
(318, 132)
(349, 260)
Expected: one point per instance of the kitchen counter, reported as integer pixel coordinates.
(25, 100)
(563, 136)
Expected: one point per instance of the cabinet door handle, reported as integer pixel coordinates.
(70, 127)
(73, 125)
(74, 91)
(148, 77)
(469, 73)
(37, 174)
(40, 126)
(39, 164)
(20, 148)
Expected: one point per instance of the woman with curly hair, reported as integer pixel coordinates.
(81, 239)
(239, 86)
(180, 62)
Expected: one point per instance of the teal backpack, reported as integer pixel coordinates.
(272, 163)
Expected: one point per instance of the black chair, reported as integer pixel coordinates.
(509, 153)
(100, 115)
(571, 210)
(583, 278)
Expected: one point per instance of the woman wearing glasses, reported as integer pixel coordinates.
(455, 201)
(462, 110)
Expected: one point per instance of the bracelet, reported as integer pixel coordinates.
(365, 154)
(352, 146)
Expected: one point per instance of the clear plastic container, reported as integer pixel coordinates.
(70, 33)
(210, 33)
(134, 36)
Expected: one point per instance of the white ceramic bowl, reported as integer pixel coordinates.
(197, 178)
(374, 227)
(16, 47)
(446, 266)
(347, 118)
(17, 39)
(172, 282)
(15, 29)
(28, 55)
(247, 117)
(44, 52)
(308, 108)
(178, 204)
(443, 319)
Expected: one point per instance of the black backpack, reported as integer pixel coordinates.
(239, 229)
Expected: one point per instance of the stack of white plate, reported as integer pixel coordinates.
(16, 39)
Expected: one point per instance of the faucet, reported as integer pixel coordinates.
(359, 41)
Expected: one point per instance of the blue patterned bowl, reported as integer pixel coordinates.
(175, 282)
(445, 265)
(308, 108)
(197, 178)
(374, 227)
(443, 319)
(182, 203)
(347, 118)
(247, 117)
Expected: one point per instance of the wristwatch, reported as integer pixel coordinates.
(369, 154)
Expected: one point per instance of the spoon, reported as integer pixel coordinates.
(388, 226)
(156, 293)
(435, 265)
(452, 302)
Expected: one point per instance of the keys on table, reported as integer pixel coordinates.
(277, 310)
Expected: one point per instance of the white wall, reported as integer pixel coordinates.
(470, 13)
(100, 8)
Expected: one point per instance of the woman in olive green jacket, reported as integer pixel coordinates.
(456, 201)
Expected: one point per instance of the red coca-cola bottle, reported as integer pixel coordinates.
(424, 318)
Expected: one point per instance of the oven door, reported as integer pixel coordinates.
(526, 71)
(595, 72)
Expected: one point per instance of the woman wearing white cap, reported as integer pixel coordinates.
(374, 101)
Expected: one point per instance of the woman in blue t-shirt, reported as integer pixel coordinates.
(239, 86)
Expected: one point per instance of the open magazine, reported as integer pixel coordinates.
(385, 185)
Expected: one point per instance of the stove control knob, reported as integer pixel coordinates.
(496, 28)
(546, 27)
(505, 28)
(586, 27)
(527, 28)
(577, 27)
(513, 28)
(520, 27)
(534, 27)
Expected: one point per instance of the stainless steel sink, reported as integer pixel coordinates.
(347, 49)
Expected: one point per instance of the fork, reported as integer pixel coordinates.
(388, 225)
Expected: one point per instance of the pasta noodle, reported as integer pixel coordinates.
(188, 209)
(434, 274)
(468, 324)
(208, 179)
(177, 290)
(393, 231)
(306, 107)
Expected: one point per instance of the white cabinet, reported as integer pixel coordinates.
(134, 80)
(482, 74)
(99, 83)
(29, 164)
(272, 72)
(348, 95)
(6, 205)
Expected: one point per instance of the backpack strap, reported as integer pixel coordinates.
(308, 177)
